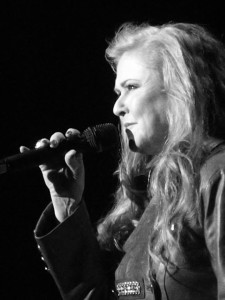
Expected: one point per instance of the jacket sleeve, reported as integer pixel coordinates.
(72, 254)
(214, 222)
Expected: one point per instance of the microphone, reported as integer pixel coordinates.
(94, 139)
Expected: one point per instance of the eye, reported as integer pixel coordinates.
(131, 87)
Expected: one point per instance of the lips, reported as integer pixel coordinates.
(126, 125)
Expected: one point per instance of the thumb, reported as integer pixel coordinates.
(74, 161)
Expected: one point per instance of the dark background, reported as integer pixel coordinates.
(54, 76)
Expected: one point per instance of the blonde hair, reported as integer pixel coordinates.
(193, 69)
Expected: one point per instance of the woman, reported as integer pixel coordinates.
(165, 236)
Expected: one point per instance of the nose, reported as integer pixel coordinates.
(119, 108)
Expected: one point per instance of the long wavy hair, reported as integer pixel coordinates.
(193, 69)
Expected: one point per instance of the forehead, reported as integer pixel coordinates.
(136, 65)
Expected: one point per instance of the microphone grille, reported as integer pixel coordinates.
(102, 137)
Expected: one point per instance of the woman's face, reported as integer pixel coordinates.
(142, 103)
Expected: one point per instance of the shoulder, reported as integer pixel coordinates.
(214, 166)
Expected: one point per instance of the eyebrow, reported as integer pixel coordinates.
(122, 84)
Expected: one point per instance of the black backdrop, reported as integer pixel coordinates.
(54, 76)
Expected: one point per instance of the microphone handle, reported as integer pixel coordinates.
(94, 139)
(36, 157)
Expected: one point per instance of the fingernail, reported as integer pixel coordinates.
(54, 143)
(38, 144)
(69, 132)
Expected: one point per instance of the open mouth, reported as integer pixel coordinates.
(130, 137)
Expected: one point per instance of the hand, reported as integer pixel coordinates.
(64, 176)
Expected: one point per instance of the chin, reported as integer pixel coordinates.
(139, 145)
(136, 148)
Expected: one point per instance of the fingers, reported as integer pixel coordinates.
(53, 142)
(24, 149)
(71, 158)
(71, 133)
(42, 143)
(55, 139)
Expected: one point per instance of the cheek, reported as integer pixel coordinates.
(156, 113)
(154, 123)
(147, 120)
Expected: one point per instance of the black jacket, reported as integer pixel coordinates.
(82, 271)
